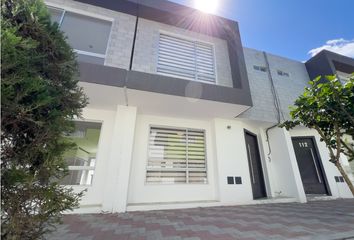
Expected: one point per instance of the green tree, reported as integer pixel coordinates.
(329, 109)
(40, 97)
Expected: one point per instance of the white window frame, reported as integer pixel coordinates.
(88, 168)
(186, 170)
(187, 38)
(87, 14)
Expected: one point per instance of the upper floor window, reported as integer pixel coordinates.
(176, 156)
(282, 73)
(260, 68)
(186, 59)
(82, 159)
(87, 35)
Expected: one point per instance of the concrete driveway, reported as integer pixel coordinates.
(314, 220)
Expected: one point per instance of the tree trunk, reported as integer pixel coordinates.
(345, 176)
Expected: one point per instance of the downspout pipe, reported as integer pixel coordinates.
(267, 139)
(134, 38)
(132, 54)
(276, 104)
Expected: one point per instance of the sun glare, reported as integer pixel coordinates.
(207, 6)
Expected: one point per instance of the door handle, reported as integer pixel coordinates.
(314, 162)
(251, 164)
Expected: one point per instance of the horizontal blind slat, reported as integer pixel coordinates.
(173, 39)
(175, 71)
(176, 64)
(171, 51)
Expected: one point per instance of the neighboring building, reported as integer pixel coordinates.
(181, 115)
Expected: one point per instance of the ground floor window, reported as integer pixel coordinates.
(82, 159)
(176, 155)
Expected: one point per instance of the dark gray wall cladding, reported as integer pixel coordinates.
(111, 76)
(319, 65)
(188, 18)
(100, 74)
(185, 88)
(344, 67)
(326, 63)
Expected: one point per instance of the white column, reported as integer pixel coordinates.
(118, 170)
(285, 171)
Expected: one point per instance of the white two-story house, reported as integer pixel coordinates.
(181, 115)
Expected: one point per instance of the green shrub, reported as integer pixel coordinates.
(40, 97)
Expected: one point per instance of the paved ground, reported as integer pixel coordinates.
(314, 220)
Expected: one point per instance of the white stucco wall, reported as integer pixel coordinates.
(142, 192)
(232, 159)
(119, 163)
(283, 169)
(119, 179)
(147, 44)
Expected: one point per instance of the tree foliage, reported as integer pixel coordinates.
(39, 95)
(328, 107)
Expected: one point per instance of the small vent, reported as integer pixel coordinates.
(281, 73)
(238, 180)
(260, 68)
(230, 180)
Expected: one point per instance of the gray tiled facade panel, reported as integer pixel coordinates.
(122, 33)
(288, 88)
(147, 43)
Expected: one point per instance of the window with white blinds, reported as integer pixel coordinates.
(176, 156)
(187, 59)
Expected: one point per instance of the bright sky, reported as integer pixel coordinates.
(295, 29)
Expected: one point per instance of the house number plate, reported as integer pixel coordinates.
(303, 144)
